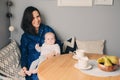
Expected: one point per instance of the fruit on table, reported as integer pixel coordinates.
(108, 60)
(113, 59)
(100, 60)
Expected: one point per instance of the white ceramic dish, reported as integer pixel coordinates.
(76, 57)
(78, 67)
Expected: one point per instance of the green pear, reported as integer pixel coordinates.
(107, 62)
(100, 60)
(113, 59)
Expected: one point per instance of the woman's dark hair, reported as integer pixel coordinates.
(26, 24)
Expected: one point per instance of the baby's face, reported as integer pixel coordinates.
(50, 38)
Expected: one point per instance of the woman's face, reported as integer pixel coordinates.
(36, 19)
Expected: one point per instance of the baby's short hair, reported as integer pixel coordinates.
(49, 33)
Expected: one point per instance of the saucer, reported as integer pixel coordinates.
(78, 67)
(75, 57)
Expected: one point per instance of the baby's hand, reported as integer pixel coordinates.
(55, 53)
(49, 55)
(37, 47)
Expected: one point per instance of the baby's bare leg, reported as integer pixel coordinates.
(28, 73)
(34, 71)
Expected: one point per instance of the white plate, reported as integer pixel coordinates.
(78, 67)
(75, 57)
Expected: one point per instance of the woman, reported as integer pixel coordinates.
(34, 32)
(48, 47)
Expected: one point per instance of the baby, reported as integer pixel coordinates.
(48, 49)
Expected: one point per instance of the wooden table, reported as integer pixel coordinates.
(62, 68)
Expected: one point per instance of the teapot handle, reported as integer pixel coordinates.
(74, 52)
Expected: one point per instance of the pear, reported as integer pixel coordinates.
(113, 59)
(107, 61)
(100, 60)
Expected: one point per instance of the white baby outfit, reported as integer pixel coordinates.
(44, 49)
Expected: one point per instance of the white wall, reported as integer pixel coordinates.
(85, 23)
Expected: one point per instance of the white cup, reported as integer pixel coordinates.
(80, 53)
(83, 62)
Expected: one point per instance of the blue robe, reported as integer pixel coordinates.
(27, 47)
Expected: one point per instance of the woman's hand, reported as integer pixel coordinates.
(23, 71)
